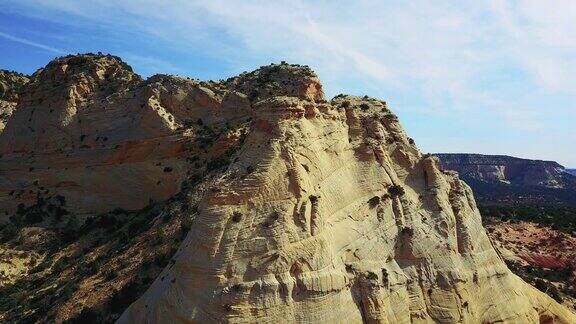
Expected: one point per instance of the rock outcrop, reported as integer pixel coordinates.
(329, 214)
(510, 180)
(89, 129)
(10, 85)
(311, 211)
(508, 170)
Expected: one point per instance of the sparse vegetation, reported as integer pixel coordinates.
(544, 279)
(374, 201)
(236, 217)
(98, 247)
(395, 191)
(558, 217)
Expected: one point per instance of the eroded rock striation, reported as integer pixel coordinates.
(329, 213)
(89, 129)
(305, 210)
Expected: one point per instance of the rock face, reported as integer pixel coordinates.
(507, 169)
(89, 129)
(504, 179)
(571, 171)
(311, 211)
(330, 214)
(10, 85)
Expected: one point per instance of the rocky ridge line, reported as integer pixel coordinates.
(312, 210)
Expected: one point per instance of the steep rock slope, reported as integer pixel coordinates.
(297, 209)
(84, 227)
(89, 129)
(499, 179)
(330, 214)
(509, 170)
(10, 85)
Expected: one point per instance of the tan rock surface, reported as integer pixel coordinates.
(320, 211)
(330, 214)
(89, 129)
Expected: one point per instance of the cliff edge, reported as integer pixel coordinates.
(294, 208)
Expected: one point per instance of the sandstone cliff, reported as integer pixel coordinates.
(10, 85)
(89, 129)
(505, 179)
(303, 210)
(507, 169)
(330, 214)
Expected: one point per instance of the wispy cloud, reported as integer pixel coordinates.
(150, 65)
(438, 45)
(31, 43)
(497, 60)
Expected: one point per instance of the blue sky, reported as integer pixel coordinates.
(495, 77)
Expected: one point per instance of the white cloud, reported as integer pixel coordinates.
(150, 65)
(31, 43)
(440, 45)
(443, 53)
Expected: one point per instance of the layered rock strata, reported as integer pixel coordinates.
(508, 170)
(329, 213)
(90, 130)
(320, 211)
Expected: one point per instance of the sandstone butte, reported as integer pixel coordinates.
(318, 211)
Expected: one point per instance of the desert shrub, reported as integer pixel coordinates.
(88, 269)
(549, 289)
(68, 290)
(396, 190)
(222, 161)
(8, 233)
(371, 276)
(218, 163)
(122, 298)
(70, 231)
(374, 201)
(185, 225)
(236, 217)
(273, 217)
(408, 231)
(161, 260)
